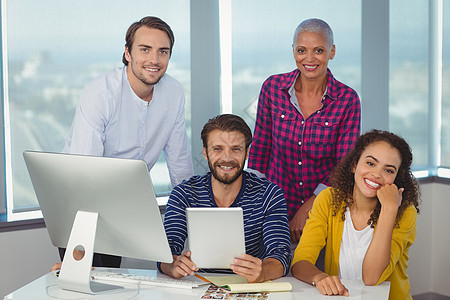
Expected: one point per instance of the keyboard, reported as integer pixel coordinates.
(148, 280)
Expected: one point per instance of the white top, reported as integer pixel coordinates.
(354, 246)
(111, 120)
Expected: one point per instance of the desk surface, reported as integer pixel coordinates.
(46, 287)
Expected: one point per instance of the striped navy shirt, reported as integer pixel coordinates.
(264, 208)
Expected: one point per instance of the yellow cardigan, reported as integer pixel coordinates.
(324, 229)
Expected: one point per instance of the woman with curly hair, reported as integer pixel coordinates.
(366, 220)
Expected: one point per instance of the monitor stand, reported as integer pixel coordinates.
(75, 274)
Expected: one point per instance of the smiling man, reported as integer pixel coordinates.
(136, 111)
(226, 140)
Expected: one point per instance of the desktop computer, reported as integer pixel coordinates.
(100, 204)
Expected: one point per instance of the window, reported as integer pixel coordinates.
(52, 50)
(262, 34)
(408, 75)
(445, 146)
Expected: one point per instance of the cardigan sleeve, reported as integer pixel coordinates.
(315, 233)
(403, 236)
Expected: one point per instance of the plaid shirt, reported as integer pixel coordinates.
(299, 154)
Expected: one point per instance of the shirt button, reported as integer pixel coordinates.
(303, 122)
(301, 183)
(299, 163)
(300, 143)
(303, 201)
(282, 116)
(326, 123)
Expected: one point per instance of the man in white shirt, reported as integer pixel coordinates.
(136, 111)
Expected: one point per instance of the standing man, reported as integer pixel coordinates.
(136, 111)
(226, 140)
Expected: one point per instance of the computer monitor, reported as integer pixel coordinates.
(113, 204)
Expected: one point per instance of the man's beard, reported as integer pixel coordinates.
(225, 179)
(141, 76)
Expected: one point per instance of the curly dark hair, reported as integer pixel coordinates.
(342, 178)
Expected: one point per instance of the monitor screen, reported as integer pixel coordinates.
(121, 192)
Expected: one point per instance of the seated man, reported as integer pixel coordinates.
(226, 139)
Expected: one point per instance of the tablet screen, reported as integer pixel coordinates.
(215, 235)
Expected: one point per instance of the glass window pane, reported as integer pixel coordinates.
(54, 49)
(408, 75)
(445, 146)
(262, 34)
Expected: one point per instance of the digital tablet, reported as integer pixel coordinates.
(215, 236)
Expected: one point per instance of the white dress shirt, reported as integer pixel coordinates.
(112, 121)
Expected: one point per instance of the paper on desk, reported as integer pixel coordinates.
(238, 284)
(225, 280)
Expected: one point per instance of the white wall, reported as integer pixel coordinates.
(419, 268)
(26, 255)
(429, 263)
(441, 239)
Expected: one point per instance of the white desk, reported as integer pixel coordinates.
(46, 288)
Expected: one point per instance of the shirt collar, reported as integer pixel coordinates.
(289, 80)
(331, 89)
(127, 87)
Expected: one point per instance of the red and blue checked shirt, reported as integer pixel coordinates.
(299, 154)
